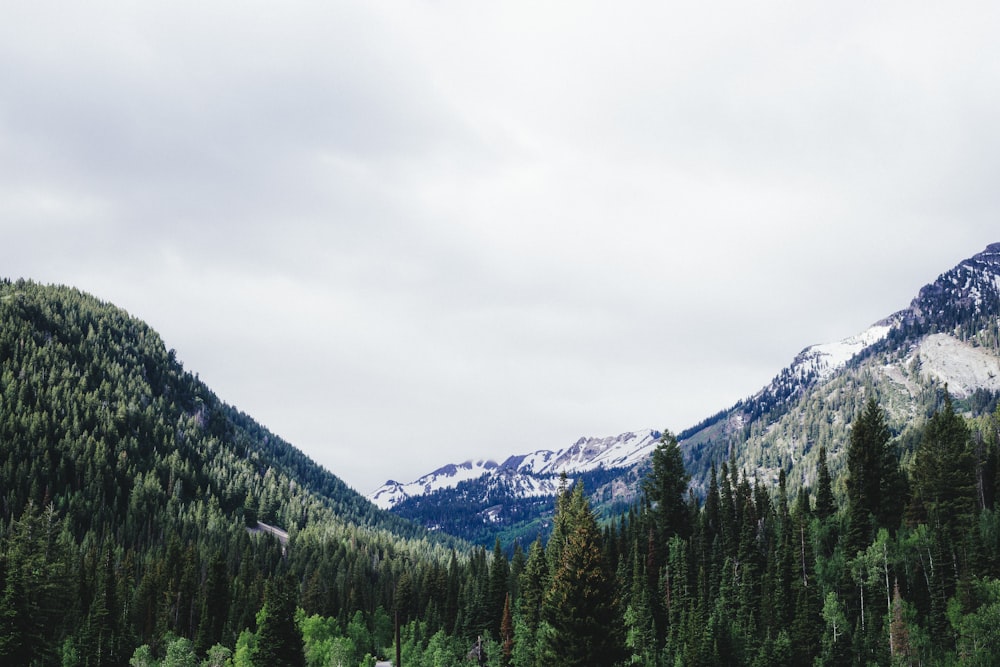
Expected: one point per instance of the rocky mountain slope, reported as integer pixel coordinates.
(949, 336)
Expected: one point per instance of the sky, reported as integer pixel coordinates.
(404, 234)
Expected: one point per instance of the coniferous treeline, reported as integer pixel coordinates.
(901, 570)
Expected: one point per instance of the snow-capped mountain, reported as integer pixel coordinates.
(445, 477)
(529, 475)
(949, 336)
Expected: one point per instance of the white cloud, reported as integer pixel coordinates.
(405, 234)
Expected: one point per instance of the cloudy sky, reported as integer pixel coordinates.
(401, 234)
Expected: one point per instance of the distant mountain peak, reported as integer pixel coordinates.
(970, 289)
(531, 473)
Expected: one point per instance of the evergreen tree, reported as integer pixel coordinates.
(825, 505)
(640, 629)
(518, 562)
(666, 487)
(215, 604)
(944, 474)
(279, 640)
(580, 607)
(506, 634)
(945, 498)
(498, 591)
(876, 485)
(35, 592)
(727, 510)
(534, 581)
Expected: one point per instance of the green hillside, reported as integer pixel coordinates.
(126, 486)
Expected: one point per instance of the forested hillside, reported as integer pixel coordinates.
(127, 486)
(128, 489)
(903, 572)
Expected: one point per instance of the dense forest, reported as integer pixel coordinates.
(131, 502)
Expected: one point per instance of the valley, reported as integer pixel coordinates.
(848, 508)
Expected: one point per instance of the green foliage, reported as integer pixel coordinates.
(944, 473)
(825, 504)
(279, 640)
(124, 484)
(580, 606)
(180, 653)
(217, 656)
(978, 630)
(143, 657)
(666, 487)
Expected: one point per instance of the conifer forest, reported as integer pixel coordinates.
(136, 510)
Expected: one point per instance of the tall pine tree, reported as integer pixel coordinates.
(581, 607)
(944, 474)
(666, 488)
(279, 640)
(876, 486)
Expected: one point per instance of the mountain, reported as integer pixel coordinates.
(393, 492)
(80, 374)
(480, 501)
(528, 475)
(949, 336)
(129, 493)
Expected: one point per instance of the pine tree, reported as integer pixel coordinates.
(215, 604)
(640, 630)
(666, 487)
(506, 634)
(807, 621)
(876, 485)
(497, 592)
(534, 583)
(825, 506)
(944, 474)
(517, 564)
(279, 640)
(580, 606)
(945, 498)
(727, 510)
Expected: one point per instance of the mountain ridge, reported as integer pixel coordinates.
(533, 473)
(947, 336)
(961, 304)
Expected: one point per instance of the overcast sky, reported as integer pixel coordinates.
(406, 234)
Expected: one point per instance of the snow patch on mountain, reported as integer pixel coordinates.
(526, 484)
(530, 475)
(587, 454)
(827, 358)
(449, 476)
